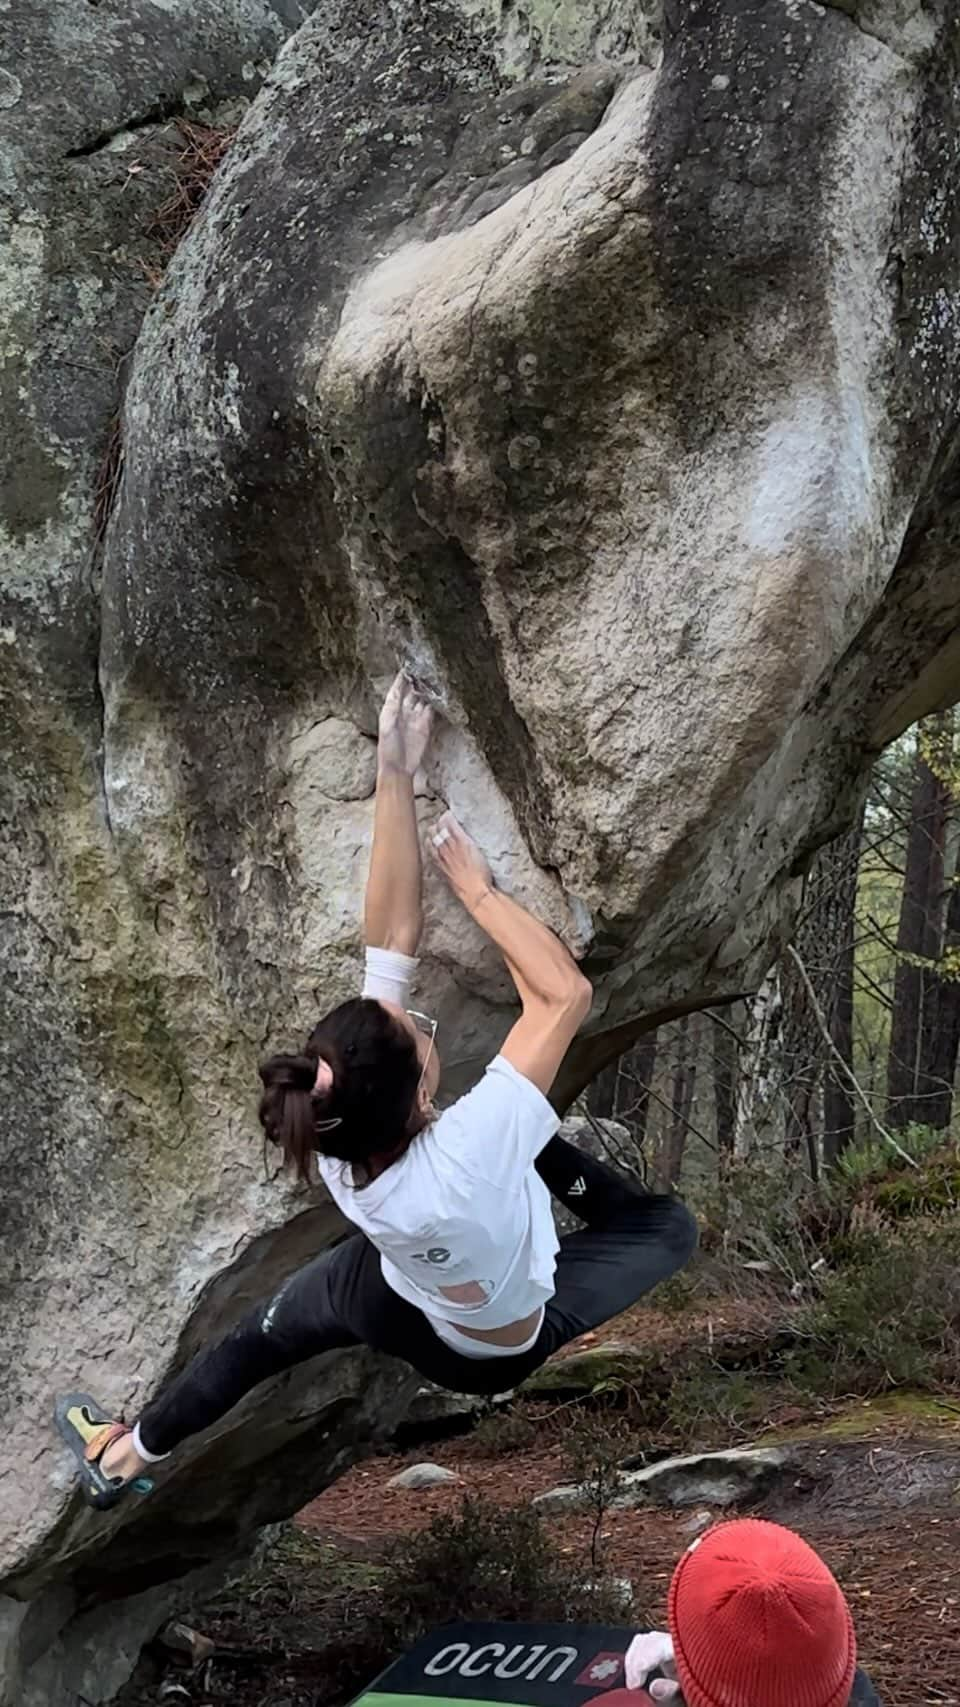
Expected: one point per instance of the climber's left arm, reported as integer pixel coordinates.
(393, 913)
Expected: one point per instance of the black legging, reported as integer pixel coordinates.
(632, 1241)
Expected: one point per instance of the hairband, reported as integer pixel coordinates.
(322, 1086)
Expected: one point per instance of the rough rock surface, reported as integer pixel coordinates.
(129, 1180)
(724, 1478)
(617, 396)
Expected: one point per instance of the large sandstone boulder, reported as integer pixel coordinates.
(617, 396)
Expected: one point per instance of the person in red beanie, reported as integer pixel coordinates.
(756, 1620)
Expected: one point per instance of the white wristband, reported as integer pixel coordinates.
(388, 975)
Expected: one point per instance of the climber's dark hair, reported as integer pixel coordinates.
(376, 1074)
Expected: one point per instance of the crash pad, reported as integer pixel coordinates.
(523, 1665)
(508, 1665)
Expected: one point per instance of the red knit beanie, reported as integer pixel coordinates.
(757, 1620)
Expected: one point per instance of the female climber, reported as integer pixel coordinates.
(456, 1266)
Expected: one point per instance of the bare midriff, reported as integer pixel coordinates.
(513, 1334)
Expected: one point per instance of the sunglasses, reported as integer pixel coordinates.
(427, 1028)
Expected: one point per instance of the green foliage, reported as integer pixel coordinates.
(879, 892)
(336, 1622)
(878, 902)
(485, 1563)
(505, 1432)
(934, 743)
(930, 1190)
(872, 1160)
(937, 746)
(705, 1401)
(889, 1318)
(771, 1213)
(929, 1193)
(677, 1294)
(946, 965)
(595, 1448)
(862, 1275)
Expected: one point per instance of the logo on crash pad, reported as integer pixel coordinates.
(603, 1672)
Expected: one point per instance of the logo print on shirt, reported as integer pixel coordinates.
(436, 1256)
(579, 1187)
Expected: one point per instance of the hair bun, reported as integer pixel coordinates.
(288, 1073)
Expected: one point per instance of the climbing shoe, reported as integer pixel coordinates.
(88, 1431)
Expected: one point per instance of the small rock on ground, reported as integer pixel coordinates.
(696, 1524)
(433, 1404)
(422, 1476)
(583, 1371)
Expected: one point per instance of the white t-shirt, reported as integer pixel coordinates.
(462, 1221)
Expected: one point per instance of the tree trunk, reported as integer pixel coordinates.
(684, 1077)
(800, 1060)
(946, 1022)
(726, 1067)
(602, 1093)
(840, 904)
(756, 1090)
(642, 1061)
(824, 940)
(622, 1091)
(918, 935)
(800, 1125)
